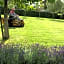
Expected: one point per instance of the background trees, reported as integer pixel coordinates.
(50, 5)
(1, 2)
(55, 6)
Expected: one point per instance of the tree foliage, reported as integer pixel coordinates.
(55, 7)
(34, 0)
(51, 4)
(51, 1)
(1, 2)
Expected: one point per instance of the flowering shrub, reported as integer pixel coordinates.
(35, 54)
(11, 54)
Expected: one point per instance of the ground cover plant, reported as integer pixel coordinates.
(35, 54)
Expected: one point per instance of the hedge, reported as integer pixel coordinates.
(35, 13)
(38, 14)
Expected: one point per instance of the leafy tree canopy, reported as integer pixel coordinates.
(51, 1)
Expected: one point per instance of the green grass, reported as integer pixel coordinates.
(44, 31)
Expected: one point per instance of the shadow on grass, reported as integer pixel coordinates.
(57, 20)
(2, 41)
(15, 27)
(12, 27)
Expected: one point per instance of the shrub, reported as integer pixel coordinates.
(11, 54)
(31, 13)
(46, 14)
(35, 54)
(20, 12)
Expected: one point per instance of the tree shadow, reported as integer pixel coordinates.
(3, 41)
(15, 27)
(12, 27)
(57, 20)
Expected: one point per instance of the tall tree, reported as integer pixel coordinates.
(55, 6)
(45, 5)
(49, 1)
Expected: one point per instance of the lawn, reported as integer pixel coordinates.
(44, 31)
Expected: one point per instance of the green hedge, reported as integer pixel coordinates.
(20, 12)
(35, 13)
(46, 14)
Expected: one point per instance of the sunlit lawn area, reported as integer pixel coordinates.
(44, 31)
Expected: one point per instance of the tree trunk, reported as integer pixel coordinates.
(6, 32)
(45, 6)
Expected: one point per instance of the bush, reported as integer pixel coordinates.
(46, 14)
(54, 15)
(11, 54)
(35, 54)
(31, 13)
(36, 14)
(20, 12)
